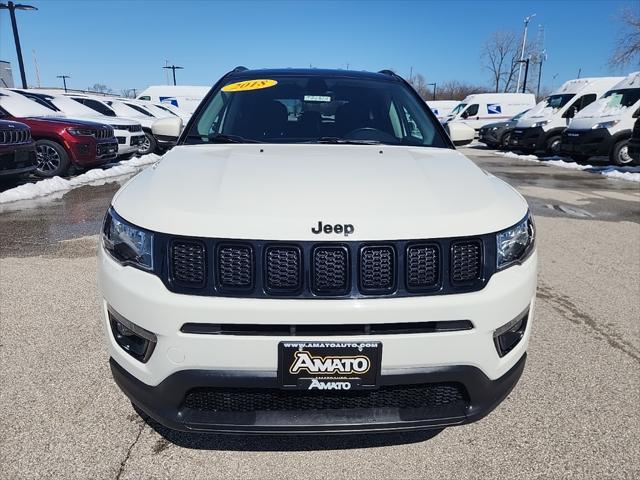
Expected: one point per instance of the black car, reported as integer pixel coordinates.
(634, 143)
(17, 149)
(497, 134)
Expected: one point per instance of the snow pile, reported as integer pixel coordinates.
(58, 184)
(623, 173)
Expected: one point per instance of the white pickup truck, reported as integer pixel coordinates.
(315, 256)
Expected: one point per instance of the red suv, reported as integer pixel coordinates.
(61, 142)
(17, 149)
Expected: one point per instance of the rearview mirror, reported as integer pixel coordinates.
(460, 133)
(167, 130)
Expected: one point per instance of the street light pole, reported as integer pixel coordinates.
(12, 7)
(64, 80)
(434, 89)
(526, 73)
(173, 68)
(524, 42)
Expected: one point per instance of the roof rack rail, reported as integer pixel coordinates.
(388, 72)
(240, 68)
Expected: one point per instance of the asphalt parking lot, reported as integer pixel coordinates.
(574, 413)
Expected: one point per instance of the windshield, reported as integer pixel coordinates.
(519, 116)
(19, 106)
(622, 98)
(458, 109)
(71, 107)
(304, 109)
(558, 101)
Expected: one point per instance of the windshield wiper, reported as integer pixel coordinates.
(224, 138)
(345, 141)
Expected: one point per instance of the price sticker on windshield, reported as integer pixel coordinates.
(247, 85)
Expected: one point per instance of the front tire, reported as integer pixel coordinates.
(553, 145)
(504, 141)
(52, 159)
(620, 154)
(149, 144)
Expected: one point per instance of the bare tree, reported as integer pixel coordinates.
(100, 88)
(455, 90)
(627, 49)
(499, 53)
(128, 92)
(419, 83)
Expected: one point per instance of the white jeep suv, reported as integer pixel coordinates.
(315, 256)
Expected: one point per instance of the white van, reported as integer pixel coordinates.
(481, 109)
(185, 97)
(605, 126)
(442, 108)
(540, 129)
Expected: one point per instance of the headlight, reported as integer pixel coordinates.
(128, 244)
(608, 124)
(516, 243)
(81, 132)
(540, 124)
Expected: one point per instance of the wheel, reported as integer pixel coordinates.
(52, 159)
(620, 154)
(504, 141)
(553, 145)
(149, 144)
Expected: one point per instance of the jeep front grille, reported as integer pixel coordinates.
(15, 136)
(263, 269)
(283, 269)
(235, 267)
(188, 263)
(377, 269)
(423, 266)
(330, 274)
(466, 261)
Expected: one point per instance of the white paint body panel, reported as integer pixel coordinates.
(279, 192)
(143, 299)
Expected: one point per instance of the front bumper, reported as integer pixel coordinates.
(17, 159)
(181, 361)
(128, 142)
(527, 139)
(166, 404)
(586, 143)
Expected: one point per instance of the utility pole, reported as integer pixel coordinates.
(434, 89)
(64, 81)
(526, 73)
(12, 7)
(173, 68)
(543, 57)
(524, 43)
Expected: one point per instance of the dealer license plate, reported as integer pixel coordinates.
(329, 365)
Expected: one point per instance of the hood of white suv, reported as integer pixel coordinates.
(282, 192)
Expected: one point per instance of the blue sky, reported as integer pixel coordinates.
(124, 44)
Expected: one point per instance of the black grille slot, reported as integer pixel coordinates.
(377, 269)
(235, 267)
(330, 274)
(188, 263)
(429, 395)
(423, 267)
(283, 269)
(466, 261)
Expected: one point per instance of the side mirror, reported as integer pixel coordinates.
(465, 114)
(460, 133)
(571, 112)
(167, 130)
